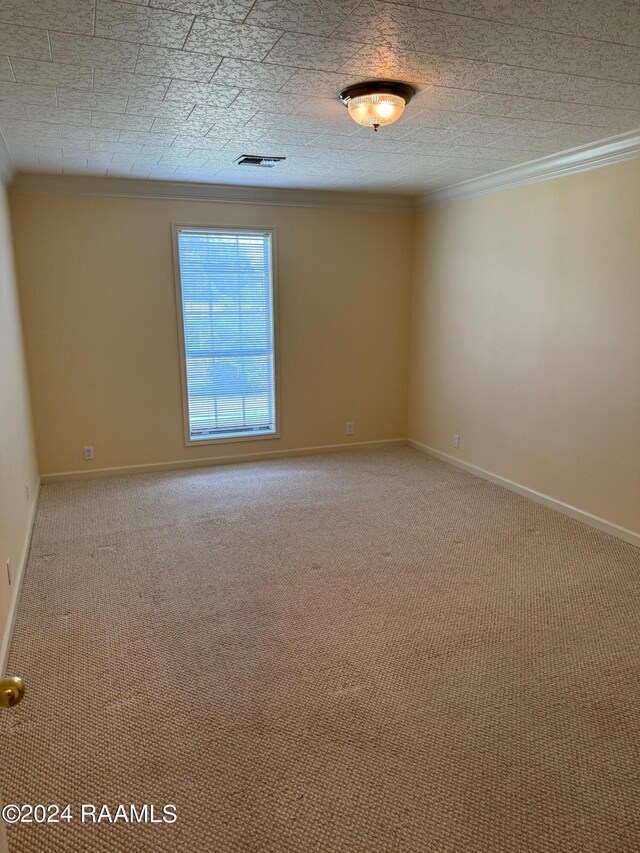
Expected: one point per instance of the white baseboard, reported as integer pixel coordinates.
(219, 460)
(17, 583)
(572, 511)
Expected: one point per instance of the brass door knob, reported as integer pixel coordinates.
(11, 691)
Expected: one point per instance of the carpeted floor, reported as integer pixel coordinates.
(362, 652)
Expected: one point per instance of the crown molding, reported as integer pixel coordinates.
(6, 163)
(220, 193)
(615, 149)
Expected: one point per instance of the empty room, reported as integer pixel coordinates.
(319, 426)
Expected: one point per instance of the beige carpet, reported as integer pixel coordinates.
(359, 652)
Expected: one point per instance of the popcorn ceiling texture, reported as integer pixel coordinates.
(360, 652)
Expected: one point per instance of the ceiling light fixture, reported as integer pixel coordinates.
(378, 102)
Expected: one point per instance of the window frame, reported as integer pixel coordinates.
(176, 227)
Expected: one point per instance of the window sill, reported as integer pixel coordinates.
(231, 439)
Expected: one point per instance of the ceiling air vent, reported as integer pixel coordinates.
(258, 160)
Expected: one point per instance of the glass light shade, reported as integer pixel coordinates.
(376, 110)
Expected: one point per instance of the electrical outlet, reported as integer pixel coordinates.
(456, 441)
(9, 571)
(27, 491)
(351, 428)
(88, 453)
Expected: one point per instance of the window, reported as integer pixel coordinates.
(226, 308)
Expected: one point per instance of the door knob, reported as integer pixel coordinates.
(11, 691)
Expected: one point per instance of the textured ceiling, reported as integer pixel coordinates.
(177, 89)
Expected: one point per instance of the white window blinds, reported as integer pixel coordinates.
(227, 311)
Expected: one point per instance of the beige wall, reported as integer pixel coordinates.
(526, 337)
(100, 325)
(524, 331)
(17, 451)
